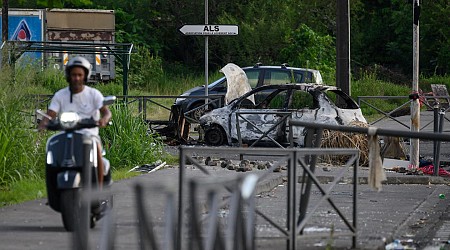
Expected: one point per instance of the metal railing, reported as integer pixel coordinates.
(146, 103)
(295, 159)
(389, 114)
(437, 137)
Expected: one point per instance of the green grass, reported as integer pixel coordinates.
(22, 190)
(369, 86)
(32, 189)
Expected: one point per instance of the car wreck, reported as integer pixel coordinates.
(266, 120)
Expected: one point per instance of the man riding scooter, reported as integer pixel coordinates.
(84, 100)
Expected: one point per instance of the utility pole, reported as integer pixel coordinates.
(415, 107)
(343, 46)
(5, 20)
(4, 31)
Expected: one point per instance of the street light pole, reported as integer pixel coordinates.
(415, 107)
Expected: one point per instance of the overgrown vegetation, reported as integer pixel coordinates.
(128, 142)
(381, 31)
(22, 148)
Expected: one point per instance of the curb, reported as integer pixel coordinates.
(394, 180)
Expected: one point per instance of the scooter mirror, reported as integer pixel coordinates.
(108, 100)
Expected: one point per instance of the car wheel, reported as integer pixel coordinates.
(215, 136)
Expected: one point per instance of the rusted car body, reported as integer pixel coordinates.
(266, 120)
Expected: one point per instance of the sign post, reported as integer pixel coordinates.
(415, 107)
(206, 57)
(208, 30)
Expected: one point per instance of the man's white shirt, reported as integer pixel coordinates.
(87, 104)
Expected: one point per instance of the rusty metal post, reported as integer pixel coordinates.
(438, 146)
(291, 223)
(415, 107)
(435, 130)
(182, 162)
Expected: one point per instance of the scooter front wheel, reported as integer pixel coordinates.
(70, 208)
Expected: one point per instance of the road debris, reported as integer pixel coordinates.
(148, 168)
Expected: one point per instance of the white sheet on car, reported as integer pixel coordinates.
(237, 83)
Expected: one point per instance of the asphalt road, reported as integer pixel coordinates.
(408, 212)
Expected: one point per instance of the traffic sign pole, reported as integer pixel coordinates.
(206, 56)
(208, 30)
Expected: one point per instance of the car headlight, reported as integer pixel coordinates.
(180, 99)
(69, 120)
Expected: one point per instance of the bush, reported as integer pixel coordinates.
(308, 49)
(368, 85)
(128, 142)
(21, 156)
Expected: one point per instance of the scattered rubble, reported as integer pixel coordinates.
(238, 166)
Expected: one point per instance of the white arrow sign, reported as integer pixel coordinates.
(210, 30)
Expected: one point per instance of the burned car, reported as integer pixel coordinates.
(258, 75)
(266, 119)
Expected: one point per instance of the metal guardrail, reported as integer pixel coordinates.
(177, 123)
(296, 159)
(143, 104)
(239, 232)
(148, 238)
(363, 100)
(437, 137)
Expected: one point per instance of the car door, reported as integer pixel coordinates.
(253, 122)
(304, 107)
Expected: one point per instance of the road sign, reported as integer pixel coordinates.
(210, 30)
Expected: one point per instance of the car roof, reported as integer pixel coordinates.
(299, 86)
(280, 67)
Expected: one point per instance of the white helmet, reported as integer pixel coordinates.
(79, 61)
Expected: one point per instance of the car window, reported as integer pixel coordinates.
(309, 78)
(298, 76)
(272, 77)
(253, 76)
(274, 100)
(302, 100)
(345, 101)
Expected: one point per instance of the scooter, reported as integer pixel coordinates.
(71, 168)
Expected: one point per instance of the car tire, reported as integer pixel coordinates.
(215, 136)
